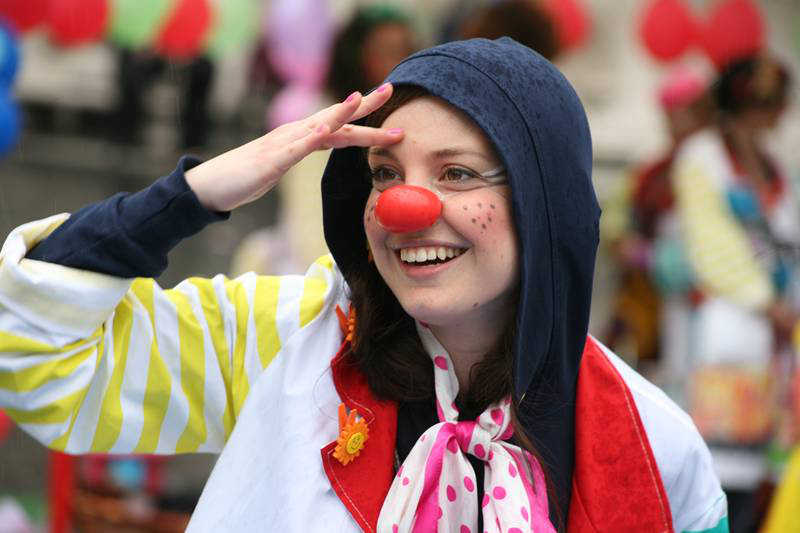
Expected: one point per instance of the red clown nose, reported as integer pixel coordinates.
(406, 208)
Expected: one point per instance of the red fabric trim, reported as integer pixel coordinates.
(616, 483)
(363, 484)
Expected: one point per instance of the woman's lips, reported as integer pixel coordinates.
(421, 268)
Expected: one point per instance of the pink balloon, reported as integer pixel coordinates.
(293, 102)
(299, 35)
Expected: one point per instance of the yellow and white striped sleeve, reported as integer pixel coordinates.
(718, 248)
(94, 363)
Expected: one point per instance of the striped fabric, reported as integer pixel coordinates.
(718, 248)
(93, 363)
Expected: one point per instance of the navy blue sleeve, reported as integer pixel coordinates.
(130, 235)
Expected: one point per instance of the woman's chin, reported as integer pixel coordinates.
(436, 315)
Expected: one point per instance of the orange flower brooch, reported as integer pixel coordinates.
(353, 433)
(347, 322)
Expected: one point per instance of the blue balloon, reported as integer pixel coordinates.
(10, 123)
(9, 55)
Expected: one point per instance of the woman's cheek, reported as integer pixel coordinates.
(481, 214)
(371, 226)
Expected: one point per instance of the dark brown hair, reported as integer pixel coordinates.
(387, 349)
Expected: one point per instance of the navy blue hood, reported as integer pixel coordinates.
(538, 126)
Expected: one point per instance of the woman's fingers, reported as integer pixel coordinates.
(372, 101)
(353, 108)
(350, 135)
(296, 150)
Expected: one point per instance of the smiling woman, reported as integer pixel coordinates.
(434, 374)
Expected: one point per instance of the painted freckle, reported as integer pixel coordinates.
(473, 220)
(483, 226)
(480, 204)
(465, 208)
(491, 205)
(489, 217)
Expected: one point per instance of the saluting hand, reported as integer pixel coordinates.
(244, 174)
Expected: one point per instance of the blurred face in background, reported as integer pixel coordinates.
(385, 46)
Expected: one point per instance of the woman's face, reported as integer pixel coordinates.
(475, 231)
(385, 46)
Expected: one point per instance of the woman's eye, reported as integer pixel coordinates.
(383, 175)
(458, 174)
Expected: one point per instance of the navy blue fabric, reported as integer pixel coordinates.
(538, 126)
(130, 235)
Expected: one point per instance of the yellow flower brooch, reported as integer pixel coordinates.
(353, 433)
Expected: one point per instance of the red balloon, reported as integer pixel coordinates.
(735, 29)
(74, 22)
(405, 208)
(23, 14)
(571, 21)
(184, 34)
(5, 426)
(667, 29)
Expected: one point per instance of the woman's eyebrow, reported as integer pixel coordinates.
(455, 152)
(380, 151)
(444, 153)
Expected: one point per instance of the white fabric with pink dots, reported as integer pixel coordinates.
(434, 489)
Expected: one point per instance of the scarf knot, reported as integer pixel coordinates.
(435, 487)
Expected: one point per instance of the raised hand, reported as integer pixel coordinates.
(244, 174)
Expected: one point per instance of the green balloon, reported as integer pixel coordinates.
(235, 24)
(134, 23)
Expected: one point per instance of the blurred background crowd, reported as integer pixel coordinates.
(694, 111)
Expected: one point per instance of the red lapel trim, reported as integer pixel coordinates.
(363, 484)
(616, 485)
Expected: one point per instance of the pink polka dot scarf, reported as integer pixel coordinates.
(434, 489)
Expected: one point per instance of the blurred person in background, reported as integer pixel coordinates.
(642, 325)
(365, 49)
(731, 252)
(522, 20)
(137, 71)
(368, 47)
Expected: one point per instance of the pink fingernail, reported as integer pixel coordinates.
(350, 98)
(395, 131)
(382, 88)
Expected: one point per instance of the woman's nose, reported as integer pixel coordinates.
(407, 208)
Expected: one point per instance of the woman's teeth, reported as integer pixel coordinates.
(429, 253)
